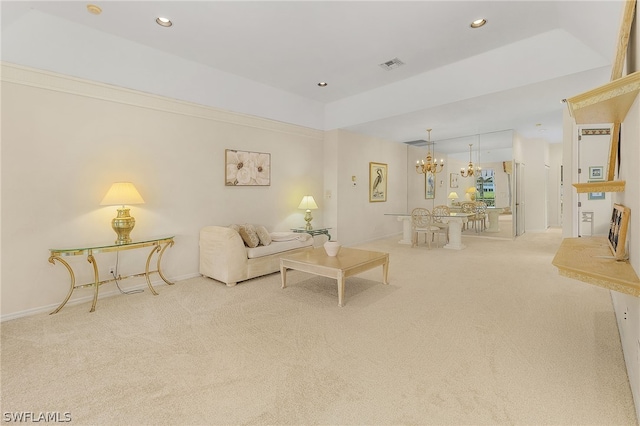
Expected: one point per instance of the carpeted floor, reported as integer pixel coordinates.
(487, 335)
(505, 229)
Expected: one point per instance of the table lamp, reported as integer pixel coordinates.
(453, 196)
(122, 193)
(308, 204)
(471, 193)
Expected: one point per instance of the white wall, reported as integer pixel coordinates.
(534, 154)
(64, 141)
(554, 190)
(570, 171)
(331, 193)
(627, 307)
(360, 220)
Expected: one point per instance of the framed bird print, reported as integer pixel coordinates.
(377, 182)
(429, 186)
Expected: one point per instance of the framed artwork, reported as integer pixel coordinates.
(453, 180)
(244, 168)
(429, 185)
(618, 230)
(596, 173)
(596, 196)
(377, 182)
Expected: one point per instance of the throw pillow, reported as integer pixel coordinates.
(235, 227)
(249, 236)
(263, 234)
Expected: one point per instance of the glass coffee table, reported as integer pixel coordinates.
(313, 232)
(347, 263)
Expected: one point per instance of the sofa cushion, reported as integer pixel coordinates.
(263, 235)
(249, 235)
(279, 247)
(288, 236)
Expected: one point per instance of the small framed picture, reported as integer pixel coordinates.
(453, 180)
(596, 173)
(596, 195)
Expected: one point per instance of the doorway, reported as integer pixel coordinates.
(594, 208)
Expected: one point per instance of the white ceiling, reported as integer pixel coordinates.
(266, 58)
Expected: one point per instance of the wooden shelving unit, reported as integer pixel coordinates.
(604, 186)
(609, 103)
(589, 259)
(606, 104)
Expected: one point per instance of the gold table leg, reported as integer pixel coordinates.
(52, 260)
(169, 244)
(146, 269)
(160, 251)
(96, 281)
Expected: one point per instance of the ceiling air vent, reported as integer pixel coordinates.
(392, 64)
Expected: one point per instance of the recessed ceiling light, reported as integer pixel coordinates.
(322, 84)
(165, 22)
(478, 23)
(92, 8)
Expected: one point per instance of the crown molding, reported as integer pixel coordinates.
(18, 74)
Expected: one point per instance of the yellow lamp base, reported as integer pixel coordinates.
(123, 224)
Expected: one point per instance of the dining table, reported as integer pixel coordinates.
(494, 219)
(493, 214)
(455, 220)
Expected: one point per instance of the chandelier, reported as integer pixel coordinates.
(469, 171)
(429, 164)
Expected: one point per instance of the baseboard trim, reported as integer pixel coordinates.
(84, 299)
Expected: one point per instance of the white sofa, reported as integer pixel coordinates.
(225, 257)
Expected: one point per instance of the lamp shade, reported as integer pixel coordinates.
(122, 193)
(308, 203)
(453, 195)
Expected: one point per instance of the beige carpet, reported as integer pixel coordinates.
(505, 229)
(488, 335)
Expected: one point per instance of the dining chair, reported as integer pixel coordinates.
(438, 213)
(468, 207)
(481, 214)
(422, 223)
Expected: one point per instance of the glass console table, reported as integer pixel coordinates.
(313, 232)
(158, 245)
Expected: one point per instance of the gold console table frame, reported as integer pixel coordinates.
(159, 245)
